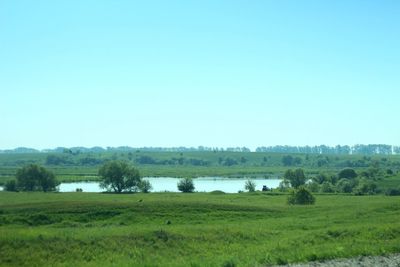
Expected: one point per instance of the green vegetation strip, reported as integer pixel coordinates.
(168, 229)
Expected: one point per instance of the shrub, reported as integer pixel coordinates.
(365, 187)
(229, 263)
(11, 185)
(145, 186)
(250, 186)
(313, 187)
(186, 185)
(344, 186)
(301, 196)
(393, 192)
(284, 186)
(327, 187)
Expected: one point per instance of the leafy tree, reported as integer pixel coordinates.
(296, 177)
(327, 187)
(119, 176)
(35, 178)
(365, 187)
(333, 179)
(186, 185)
(347, 173)
(313, 186)
(301, 196)
(145, 186)
(371, 173)
(345, 186)
(320, 178)
(250, 186)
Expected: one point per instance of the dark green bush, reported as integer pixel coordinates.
(145, 186)
(365, 187)
(345, 185)
(229, 263)
(393, 192)
(327, 187)
(301, 196)
(11, 185)
(186, 185)
(33, 177)
(347, 173)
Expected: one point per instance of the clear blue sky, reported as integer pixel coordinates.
(189, 73)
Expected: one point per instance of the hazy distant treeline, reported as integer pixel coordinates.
(344, 150)
(322, 149)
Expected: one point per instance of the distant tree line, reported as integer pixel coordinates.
(372, 149)
(222, 159)
(97, 149)
(343, 150)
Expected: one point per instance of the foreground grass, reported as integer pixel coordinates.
(205, 229)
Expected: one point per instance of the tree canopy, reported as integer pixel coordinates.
(119, 176)
(347, 173)
(35, 178)
(296, 178)
(186, 185)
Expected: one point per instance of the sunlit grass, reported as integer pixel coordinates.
(205, 229)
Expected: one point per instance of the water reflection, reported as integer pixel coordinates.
(162, 184)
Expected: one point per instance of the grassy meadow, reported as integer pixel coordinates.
(199, 229)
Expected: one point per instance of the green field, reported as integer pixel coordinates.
(206, 229)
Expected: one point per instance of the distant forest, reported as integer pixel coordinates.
(322, 149)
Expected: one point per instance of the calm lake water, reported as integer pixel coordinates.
(162, 184)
